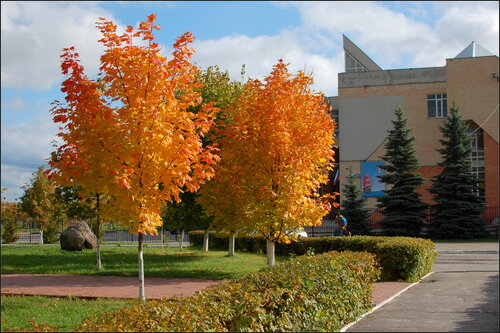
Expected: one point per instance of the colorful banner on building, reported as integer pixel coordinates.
(370, 183)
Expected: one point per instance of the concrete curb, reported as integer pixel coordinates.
(378, 306)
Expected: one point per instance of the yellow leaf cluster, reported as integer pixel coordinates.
(274, 155)
(129, 134)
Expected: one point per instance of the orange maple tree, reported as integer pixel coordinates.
(129, 135)
(275, 154)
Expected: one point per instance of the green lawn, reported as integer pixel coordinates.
(66, 313)
(122, 261)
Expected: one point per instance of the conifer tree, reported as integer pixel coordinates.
(353, 208)
(402, 208)
(456, 192)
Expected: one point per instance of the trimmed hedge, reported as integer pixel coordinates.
(307, 293)
(401, 258)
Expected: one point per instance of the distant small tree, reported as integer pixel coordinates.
(9, 220)
(39, 203)
(403, 209)
(456, 192)
(353, 208)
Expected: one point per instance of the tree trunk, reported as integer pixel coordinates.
(142, 296)
(270, 252)
(161, 237)
(205, 241)
(181, 241)
(232, 238)
(98, 252)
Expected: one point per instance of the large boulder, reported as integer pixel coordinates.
(77, 237)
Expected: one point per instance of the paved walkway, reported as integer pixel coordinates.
(460, 296)
(127, 287)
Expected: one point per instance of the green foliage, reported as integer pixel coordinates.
(403, 210)
(400, 258)
(353, 208)
(10, 215)
(308, 293)
(456, 193)
(9, 230)
(185, 215)
(217, 88)
(404, 258)
(40, 203)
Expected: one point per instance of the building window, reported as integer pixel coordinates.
(352, 65)
(437, 106)
(477, 156)
(335, 116)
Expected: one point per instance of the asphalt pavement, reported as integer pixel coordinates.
(461, 295)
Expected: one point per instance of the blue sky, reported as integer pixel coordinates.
(308, 35)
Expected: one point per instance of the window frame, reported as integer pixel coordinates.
(437, 105)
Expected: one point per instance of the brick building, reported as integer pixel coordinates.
(368, 96)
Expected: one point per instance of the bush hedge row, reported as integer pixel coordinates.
(401, 258)
(306, 293)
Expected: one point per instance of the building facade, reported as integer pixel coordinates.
(368, 96)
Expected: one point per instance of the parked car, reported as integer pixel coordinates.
(297, 232)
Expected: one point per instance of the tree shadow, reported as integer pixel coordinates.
(483, 317)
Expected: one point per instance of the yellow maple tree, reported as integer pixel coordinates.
(129, 135)
(275, 153)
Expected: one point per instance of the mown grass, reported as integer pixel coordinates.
(122, 261)
(65, 313)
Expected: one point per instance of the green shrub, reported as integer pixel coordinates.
(405, 258)
(9, 232)
(307, 293)
(400, 258)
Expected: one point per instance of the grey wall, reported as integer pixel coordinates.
(397, 76)
(364, 123)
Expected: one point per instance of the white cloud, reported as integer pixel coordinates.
(28, 144)
(260, 54)
(13, 178)
(16, 103)
(34, 34)
(25, 147)
(395, 40)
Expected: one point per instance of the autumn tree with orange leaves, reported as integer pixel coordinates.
(129, 135)
(275, 153)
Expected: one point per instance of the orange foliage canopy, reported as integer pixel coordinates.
(129, 134)
(276, 152)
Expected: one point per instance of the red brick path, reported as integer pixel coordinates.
(127, 287)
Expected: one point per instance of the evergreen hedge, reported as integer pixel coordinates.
(307, 293)
(401, 258)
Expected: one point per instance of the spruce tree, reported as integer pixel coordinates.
(353, 208)
(458, 207)
(402, 208)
